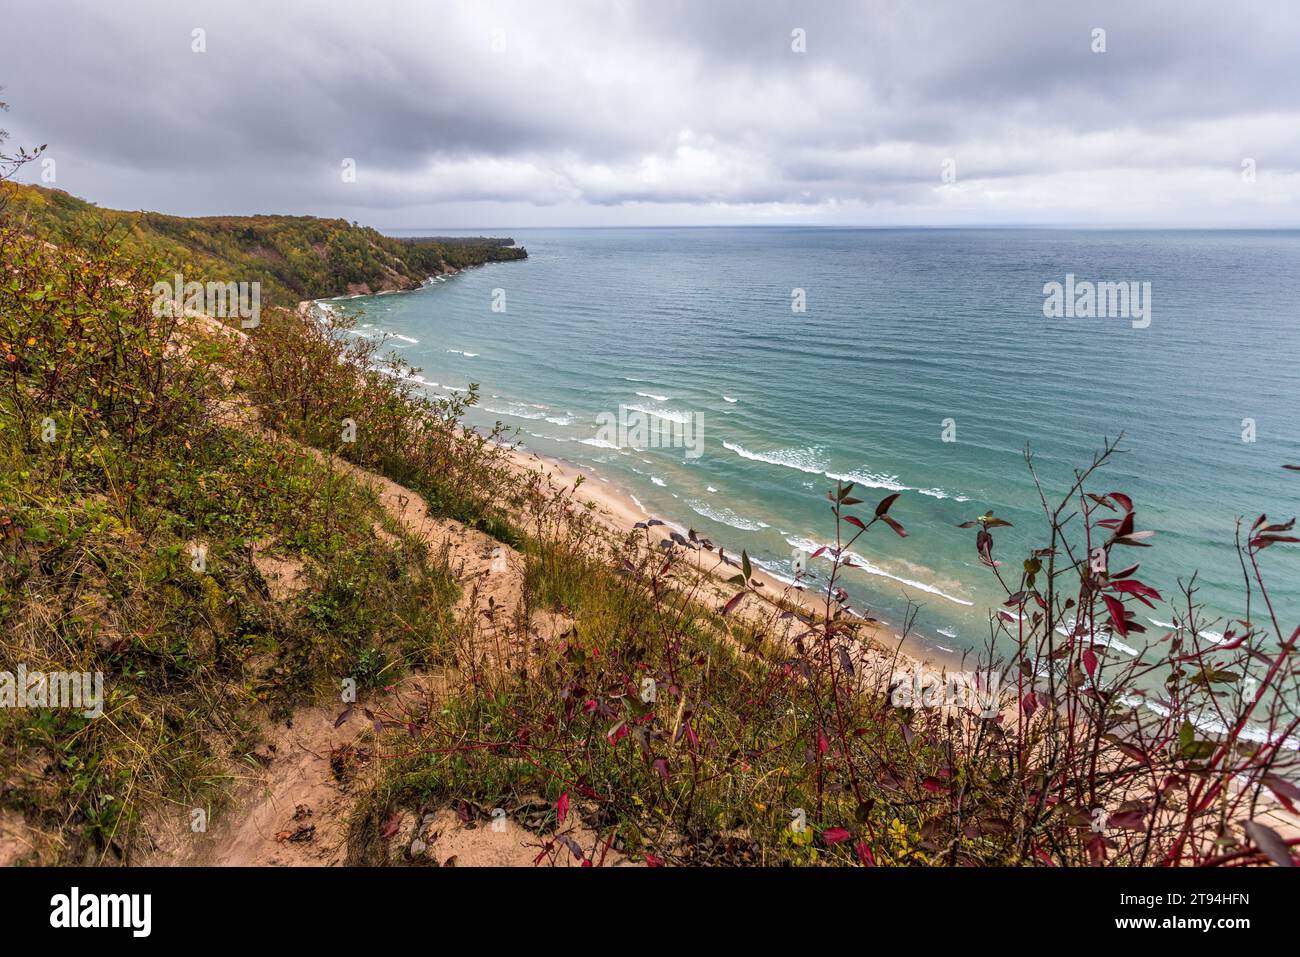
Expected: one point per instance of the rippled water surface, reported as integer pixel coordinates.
(903, 330)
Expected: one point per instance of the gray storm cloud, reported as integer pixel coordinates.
(526, 113)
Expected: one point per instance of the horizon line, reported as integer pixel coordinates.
(841, 226)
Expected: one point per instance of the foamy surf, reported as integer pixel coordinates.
(670, 415)
(514, 410)
(1100, 636)
(871, 568)
(1210, 724)
(1213, 637)
(725, 516)
(808, 461)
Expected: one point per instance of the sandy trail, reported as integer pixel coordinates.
(294, 804)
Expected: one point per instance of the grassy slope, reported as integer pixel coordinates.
(294, 257)
(748, 731)
(100, 516)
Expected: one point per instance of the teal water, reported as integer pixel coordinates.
(903, 330)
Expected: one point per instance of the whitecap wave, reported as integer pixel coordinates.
(671, 415)
(809, 461)
(1101, 635)
(514, 410)
(775, 570)
(1213, 637)
(726, 516)
(871, 568)
(1211, 724)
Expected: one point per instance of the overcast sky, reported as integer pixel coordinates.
(462, 114)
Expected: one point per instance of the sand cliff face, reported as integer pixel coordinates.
(392, 281)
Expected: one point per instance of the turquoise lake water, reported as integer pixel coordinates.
(903, 329)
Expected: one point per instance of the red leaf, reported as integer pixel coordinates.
(864, 854)
(1284, 790)
(1097, 850)
(562, 806)
(1129, 820)
(833, 835)
(652, 861)
(885, 502)
(1116, 609)
(1270, 842)
(854, 521)
(1134, 587)
(1134, 752)
(392, 825)
(1090, 662)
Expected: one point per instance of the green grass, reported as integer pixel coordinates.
(98, 530)
(293, 257)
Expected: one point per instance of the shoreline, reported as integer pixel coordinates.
(618, 510)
